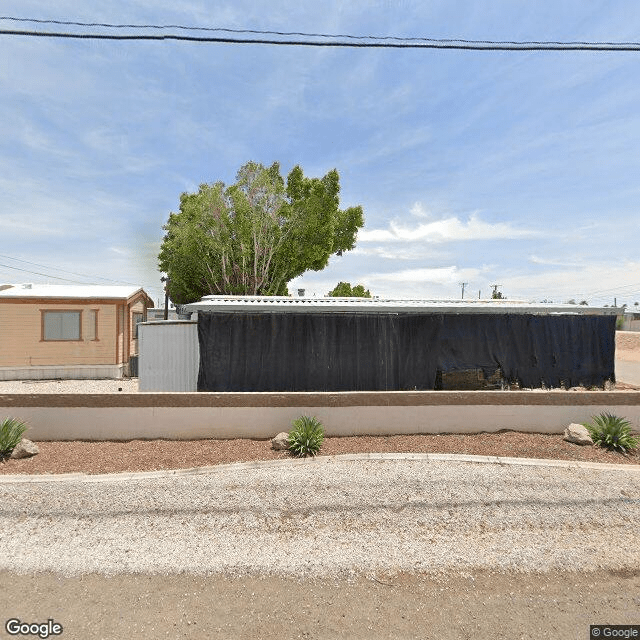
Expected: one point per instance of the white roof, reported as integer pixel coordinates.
(269, 304)
(119, 292)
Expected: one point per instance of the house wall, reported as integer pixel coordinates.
(135, 307)
(21, 335)
(120, 332)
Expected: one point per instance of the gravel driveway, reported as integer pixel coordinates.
(326, 519)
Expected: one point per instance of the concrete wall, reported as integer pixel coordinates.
(629, 323)
(262, 415)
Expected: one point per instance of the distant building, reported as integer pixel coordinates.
(630, 320)
(69, 331)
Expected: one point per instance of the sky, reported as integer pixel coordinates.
(517, 169)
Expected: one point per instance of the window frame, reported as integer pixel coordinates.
(96, 337)
(43, 313)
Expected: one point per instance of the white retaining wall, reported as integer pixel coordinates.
(262, 415)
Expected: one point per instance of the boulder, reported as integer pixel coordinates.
(24, 449)
(280, 442)
(577, 433)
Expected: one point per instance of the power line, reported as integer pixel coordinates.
(73, 273)
(309, 34)
(618, 289)
(46, 275)
(402, 43)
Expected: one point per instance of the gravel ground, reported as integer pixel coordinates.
(336, 519)
(126, 385)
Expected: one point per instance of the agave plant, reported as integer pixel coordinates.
(305, 439)
(611, 431)
(11, 431)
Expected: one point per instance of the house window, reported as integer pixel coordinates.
(136, 318)
(61, 325)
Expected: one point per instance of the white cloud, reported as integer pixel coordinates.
(437, 275)
(555, 262)
(418, 211)
(598, 283)
(446, 230)
(403, 252)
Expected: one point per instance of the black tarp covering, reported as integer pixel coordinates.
(398, 351)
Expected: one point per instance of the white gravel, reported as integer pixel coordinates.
(327, 519)
(126, 385)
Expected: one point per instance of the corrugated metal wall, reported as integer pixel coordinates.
(169, 356)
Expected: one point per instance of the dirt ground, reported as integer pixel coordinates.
(480, 605)
(150, 455)
(628, 346)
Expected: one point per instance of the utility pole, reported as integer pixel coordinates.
(165, 279)
(463, 285)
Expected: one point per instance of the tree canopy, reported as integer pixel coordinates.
(344, 290)
(254, 236)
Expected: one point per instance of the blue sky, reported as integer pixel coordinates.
(515, 168)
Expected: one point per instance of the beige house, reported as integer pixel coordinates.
(69, 331)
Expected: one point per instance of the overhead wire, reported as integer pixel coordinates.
(46, 275)
(315, 43)
(329, 40)
(49, 275)
(73, 273)
(111, 25)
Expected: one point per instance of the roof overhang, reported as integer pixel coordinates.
(286, 304)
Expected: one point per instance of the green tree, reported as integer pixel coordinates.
(344, 290)
(254, 236)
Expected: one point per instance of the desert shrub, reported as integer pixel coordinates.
(305, 439)
(613, 432)
(11, 431)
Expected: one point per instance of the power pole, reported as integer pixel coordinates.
(165, 279)
(463, 285)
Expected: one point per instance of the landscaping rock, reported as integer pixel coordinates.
(577, 433)
(280, 442)
(24, 449)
